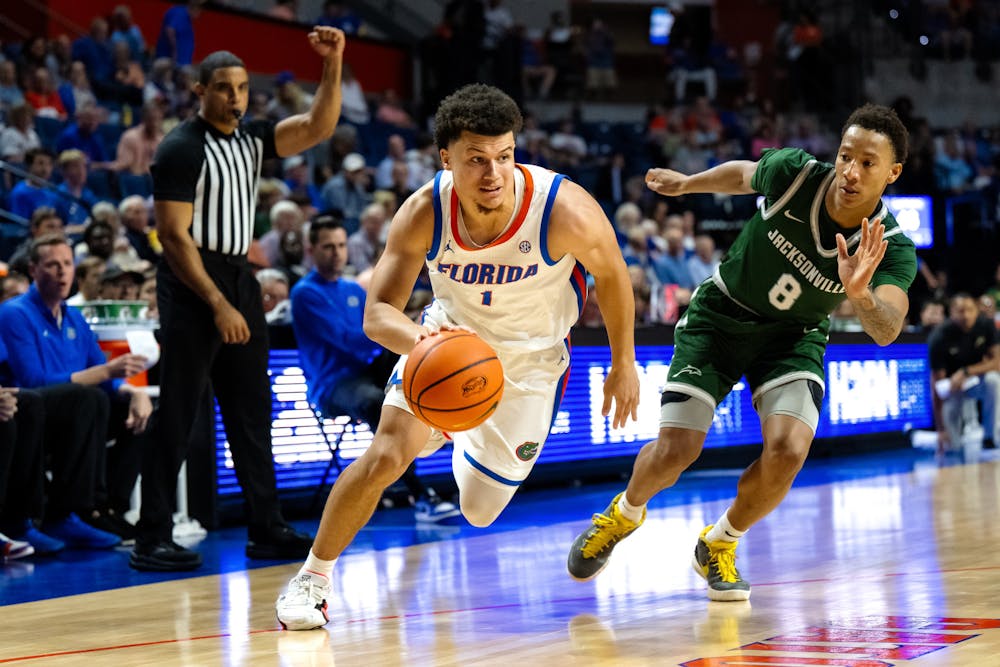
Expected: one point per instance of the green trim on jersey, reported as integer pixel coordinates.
(783, 264)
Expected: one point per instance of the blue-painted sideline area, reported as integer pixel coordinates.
(76, 572)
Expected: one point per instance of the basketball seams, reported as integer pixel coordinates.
(450, 383)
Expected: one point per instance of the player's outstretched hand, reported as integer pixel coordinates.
(621, 386)
(666, 182)
(856, 271)
(327, 41)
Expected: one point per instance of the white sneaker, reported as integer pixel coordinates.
(303, 605)
(12, 549)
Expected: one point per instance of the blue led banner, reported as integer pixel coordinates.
(870, 389)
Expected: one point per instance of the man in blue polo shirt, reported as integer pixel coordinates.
(342, 365)
(55, 347)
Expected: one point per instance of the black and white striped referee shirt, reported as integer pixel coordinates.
(218, 174)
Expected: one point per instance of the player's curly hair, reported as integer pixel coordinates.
(476, 108)
(883, 120)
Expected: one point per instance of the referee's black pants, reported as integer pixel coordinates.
(192, 353)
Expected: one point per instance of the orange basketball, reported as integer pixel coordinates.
(453, 381)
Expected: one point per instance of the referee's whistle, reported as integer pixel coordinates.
(237, 114)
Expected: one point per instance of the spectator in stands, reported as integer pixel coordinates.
(395, 151)
(124, 30)
(129, 75)
(568, 147)
(610, 188)
(94, 51)
(120, 284)
(353, 105)
(951, 169)
(98, 241)
(76, 91)
(33, 192)
(400, 185)
(57, 347)
(343, 142)
(11, 94)
(988, 308)
(82, 135)
(559, 47)
(19, 136)
(690, 38)
(345, 371)
(176, 40)
(89, 271)
(274, 291)
(337, 15)
(390, 110)
(134, 212)
(291, 256)
(961, 349)
(147, 293)
(348, 191)
(932, 314)
(34, 54)
(135, 152)
(285, 216)
(42, 96)
(599, 51)
(284, 10)
(160, 86)
(299, 183)
(534, 67)
(702, 264)
(364, 245)
(423, 159)
(289, 98)
(14, 284)
(671, 267)
(78, 200)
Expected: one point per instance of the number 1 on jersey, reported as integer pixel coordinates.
(487, 297)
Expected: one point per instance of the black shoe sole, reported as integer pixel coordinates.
(151, 564)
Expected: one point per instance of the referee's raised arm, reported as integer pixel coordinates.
(303, 131)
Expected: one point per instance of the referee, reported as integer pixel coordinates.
(205, 178)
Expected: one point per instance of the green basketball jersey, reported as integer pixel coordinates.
(783, 264)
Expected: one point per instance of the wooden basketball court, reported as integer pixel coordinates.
(858, 570)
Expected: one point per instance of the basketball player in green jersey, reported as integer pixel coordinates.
(821, 235)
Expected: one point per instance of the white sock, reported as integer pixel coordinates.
(723, 531)
(318, 566)
(631, 512)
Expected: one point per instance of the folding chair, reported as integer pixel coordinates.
(333, 444)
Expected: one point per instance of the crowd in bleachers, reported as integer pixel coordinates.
(81, 120)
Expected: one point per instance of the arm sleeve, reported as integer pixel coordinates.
(311, 311)
(175, 169)
(263, 130)
(776, 170)
(27, 365)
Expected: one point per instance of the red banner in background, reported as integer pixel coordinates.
(265, 45)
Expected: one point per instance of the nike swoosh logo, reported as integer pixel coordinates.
(792, 217)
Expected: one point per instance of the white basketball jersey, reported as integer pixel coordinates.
(510, 292)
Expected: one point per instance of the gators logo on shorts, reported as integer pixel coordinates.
(527, 451)
(473, 386)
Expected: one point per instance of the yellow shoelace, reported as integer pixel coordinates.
(723, 554)
(607, 535)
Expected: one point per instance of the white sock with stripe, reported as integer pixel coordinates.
(317, 566)
(723, 531)
(631, 512)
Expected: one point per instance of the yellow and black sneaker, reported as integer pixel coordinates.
(592, 548)
(716, 563)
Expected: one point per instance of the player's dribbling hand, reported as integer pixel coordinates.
(666, 182)
(427, 331)
(622, 385)
(856, 271)
(327, 41)
(232, 325)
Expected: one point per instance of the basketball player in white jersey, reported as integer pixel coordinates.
(507, 247)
